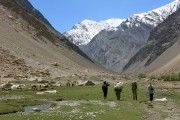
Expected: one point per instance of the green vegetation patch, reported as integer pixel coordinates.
(171, 77)
(92, 107)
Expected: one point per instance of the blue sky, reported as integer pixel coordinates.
(63, 14)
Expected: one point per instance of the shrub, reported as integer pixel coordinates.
(171, 77)
(152, 77)
(141, 75)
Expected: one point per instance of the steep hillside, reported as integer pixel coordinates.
(82, 33)
(29, 42)
(25, 4)
(114, 48)
(162, 51)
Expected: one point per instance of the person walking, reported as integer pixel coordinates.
(150, 90)
(134, 90)
(105, 89)
(118, 89)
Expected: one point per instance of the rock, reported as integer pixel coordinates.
(7, 86)
(9, 76)
(43, 81)
(71, 84)
(41, 73)
(35, 79)
(40, 87)
(40, 93)
(36, 110)
(74, 83)
(51, 91)
(89, 83)
(15, 86)
(34, 87)
(58, 84)
(55, 64)
(68, 84)
(18, 62)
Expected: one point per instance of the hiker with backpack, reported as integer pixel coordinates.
(134, 90)
(150, 90)
(118, 89)
(105, 89)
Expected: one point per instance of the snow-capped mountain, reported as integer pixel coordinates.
(83, 32)
(161, 54)
(113, 49)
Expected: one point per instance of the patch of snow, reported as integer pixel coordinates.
(161, 99)
(50, 92)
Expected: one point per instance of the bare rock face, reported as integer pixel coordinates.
(161, 39)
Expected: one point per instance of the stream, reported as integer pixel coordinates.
(38, 108)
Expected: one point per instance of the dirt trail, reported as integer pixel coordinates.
(164, 110)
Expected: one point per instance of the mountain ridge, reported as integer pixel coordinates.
(82, 32)
(164, 37)
(113, 49)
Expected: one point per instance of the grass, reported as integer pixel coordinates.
(171, 77)
(12, 106)
(173, 94)
(11, 103)
(126, 108)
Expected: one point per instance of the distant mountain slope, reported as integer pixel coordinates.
(30, 9)
(114, 48)
(83, 32)
(162, 51)
(25, 35)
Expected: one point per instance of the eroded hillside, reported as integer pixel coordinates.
(27, 36)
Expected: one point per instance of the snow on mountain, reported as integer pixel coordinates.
(161, 54)
(83, 32)
(158, 15)
(113, 49)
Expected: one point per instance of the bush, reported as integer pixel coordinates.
(141, 75)
(171, 77)
(152, 77)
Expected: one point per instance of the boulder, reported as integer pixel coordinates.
(89, 83)
(40, 87)
(68, 84)
(15, 86)
(7, 86)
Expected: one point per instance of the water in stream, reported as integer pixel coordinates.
(42, 107)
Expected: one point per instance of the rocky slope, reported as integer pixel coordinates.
(82, 33)
(25, 4)
(30, 47)
(114, 48)
(161, 54)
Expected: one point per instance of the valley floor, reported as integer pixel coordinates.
(86, 103)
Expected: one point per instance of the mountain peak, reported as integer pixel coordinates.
(83, 32)
(113, 49)
(156, 16)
